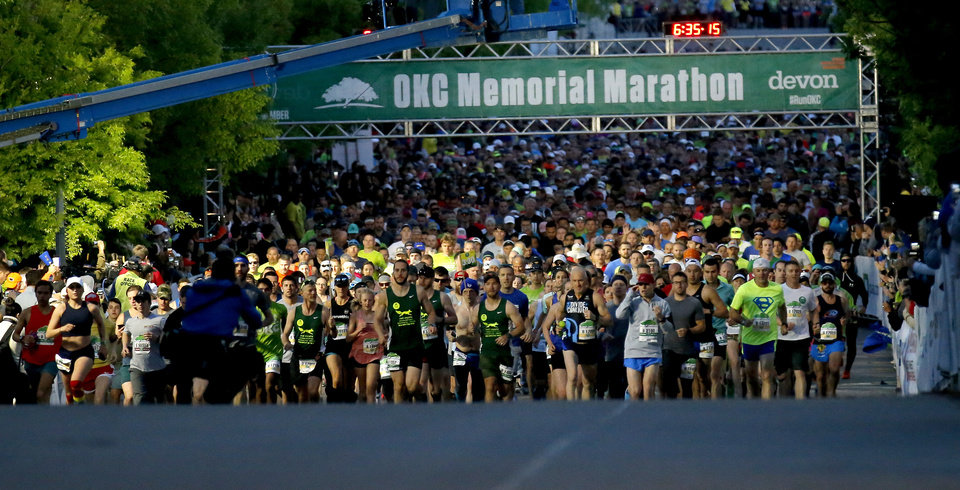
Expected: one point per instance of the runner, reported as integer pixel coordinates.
(341, 308)
(711, 277)
(367, 345)
(403, 301)
(306, 325)
(494, 316)
(270, 346)
(643, 346)
(39, 351)
(435, 374)
(679, 349)
(290, 299)
(828, 341)
(141, 343)
(793, 343)
(709, 375)
(758, 305)
(580, 309)
(96, 386)
(73, 320)
(508, 276)
(557, 332)
(466, 355)
(535, 365)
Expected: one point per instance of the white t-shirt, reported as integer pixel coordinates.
(799, 302)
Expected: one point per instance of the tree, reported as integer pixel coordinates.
(226, 131)
(913, 48)
(49, 48)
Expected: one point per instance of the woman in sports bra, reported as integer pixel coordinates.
(366, 348)
(72, 320)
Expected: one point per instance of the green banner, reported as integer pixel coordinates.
(543, 87)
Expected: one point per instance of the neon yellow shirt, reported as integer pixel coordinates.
(760, 305)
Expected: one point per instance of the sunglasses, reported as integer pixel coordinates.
(844, 260)
(441, 280)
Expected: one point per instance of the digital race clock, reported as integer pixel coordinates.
(693, 28)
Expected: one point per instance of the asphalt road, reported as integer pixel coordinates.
(861, 442)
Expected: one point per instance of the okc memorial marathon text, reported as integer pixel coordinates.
(432, 89)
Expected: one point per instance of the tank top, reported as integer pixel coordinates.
(708, 334)
(307, 332)
(80, 317)
(830, 316)
(404, 312)
(341, 318)
(493, 324)
(429, 340)
(366, 347)
(45, 349)
(580, 329)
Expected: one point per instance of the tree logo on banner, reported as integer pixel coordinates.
(349, 92)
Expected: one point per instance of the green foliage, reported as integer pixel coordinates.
(915, 58)
(49, 48)
(180, 35)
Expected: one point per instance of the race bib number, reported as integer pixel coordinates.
(242, 329)
(649, 333)
(688, 368)
(341, 331)
(273, 366)
(459, 358)
(384, 371)
(761, 324)
(506, 372)
(588, 330)
(706, 350)
(42, 337)
(141, 345)
(393, 362)
(425, 332)
(63, 364)
(721, 338)
(307, 366)
(795, 312)
(370, 346)
(828, 331)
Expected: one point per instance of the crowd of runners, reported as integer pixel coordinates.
(640, 266)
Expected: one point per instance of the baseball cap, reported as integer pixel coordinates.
(824, 222)
(420, 246)
(12, 281)
(353, 228)
(647, 232)
(827, 277)
(73, 280)
(645, 278)
(692, 254)
(326, 266)
(240, 259)
(761, 263)
(303, 250)
(736, 232)
(682, 234)
(697, 239)
(460, 275)
(164, 292)
(647, 249)
(91, 297)
(425, 271)
(353, 243)
(469, 283)
(739, 276)
(691, 262)
(342, 280)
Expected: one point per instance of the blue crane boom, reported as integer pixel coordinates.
(70, 116)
